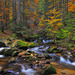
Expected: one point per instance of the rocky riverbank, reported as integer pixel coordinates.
(24, 58)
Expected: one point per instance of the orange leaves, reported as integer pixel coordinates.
(3, 20)
(36, 1)
(72, 0)
(56, 27)
(71, 6)
(32, 26)
(35, 14)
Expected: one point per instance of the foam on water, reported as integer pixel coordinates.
(1, 56)
(3, 48)
(47, 41)
(66, 61)
(26, 71)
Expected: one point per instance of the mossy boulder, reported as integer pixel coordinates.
(20, 43)
(8, 52)
(31, 59)
(15, 53)
(2, 51)
(49, 70)
(50, 50)
(46, 56)
(54, 50)
(73, 55)
(2, 44)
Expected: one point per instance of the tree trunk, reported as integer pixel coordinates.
(18, 12)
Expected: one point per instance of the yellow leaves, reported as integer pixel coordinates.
(54, 31)
(54, 21)
(41, 24)
(26, 10)
(11, 15)
(58, 15)
(59, 23)
(69, 53)
(50, 6)
(31, 55)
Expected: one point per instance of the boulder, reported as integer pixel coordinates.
(2, 44)
(49, 70)
(10, 52)
(22, 44)
(54, 50)
(46, 56)
(15, 53)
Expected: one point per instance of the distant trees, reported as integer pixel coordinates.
(36, 16)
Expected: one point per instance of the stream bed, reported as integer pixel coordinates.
(20, 67)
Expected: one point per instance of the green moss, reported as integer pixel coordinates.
(15, 53)
(31, 59)
(20, 43)
(73, 55)
(8, 52)
(49, 70)
(46, 56)
(35, 36)
(50, 50)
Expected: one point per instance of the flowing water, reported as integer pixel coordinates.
(41, 49)
(58, 59)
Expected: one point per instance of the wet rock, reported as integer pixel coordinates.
(50, 50)
(54, 50)
(12, 60)
(47, 62)
(2, 51)
(31, 59)
(30, 51)
(49, 70)
(15, 53)
(2, 44)
(40, 56)
(8, 39)
(23, 48)
(9, 52)
(37, 61)
(27, 53)
(73, 55)
(46, 56)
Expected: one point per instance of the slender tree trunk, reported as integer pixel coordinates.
(14, 11)
(18, 12)
(63, 12)
(23, 11)
(67, 6)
